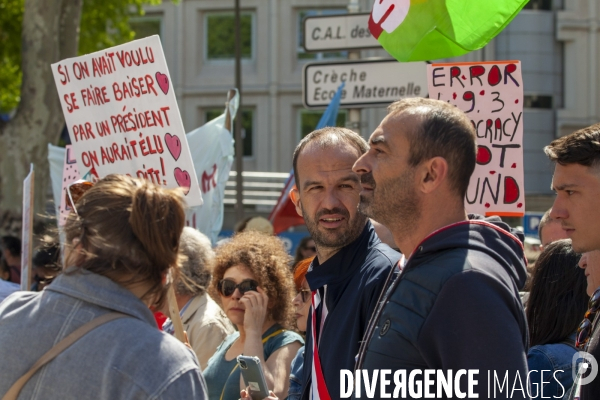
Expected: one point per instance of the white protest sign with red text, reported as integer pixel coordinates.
(491, 94)
(122, 115)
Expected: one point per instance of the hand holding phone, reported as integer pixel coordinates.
(253, 376)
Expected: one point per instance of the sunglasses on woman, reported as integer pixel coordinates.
(585, 328)
(74, 192)
(226, 287)
(305, 294)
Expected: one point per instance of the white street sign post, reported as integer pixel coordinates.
(368, 82)
(338, 33)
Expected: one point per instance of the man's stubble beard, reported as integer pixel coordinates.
(342, 237)
(396, 205)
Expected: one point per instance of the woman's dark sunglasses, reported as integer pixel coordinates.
(585, 328)
(226, 287)
(305, 294)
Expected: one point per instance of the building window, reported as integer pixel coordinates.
(301, 53)
(220, 35)
(535, 101)
(247, 127)
(538, 5)
(146, 26)
(310, 119)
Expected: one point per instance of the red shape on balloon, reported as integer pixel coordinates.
(482, 92)
(492, 172)
(487, 205)
(463, 77)
(517, 101)
(514, 165)
(519, 205)
(498, 123)
(511, 190)
(454, 96)
(484, 155)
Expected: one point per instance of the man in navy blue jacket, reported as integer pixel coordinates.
(351, 265)
(451, 325)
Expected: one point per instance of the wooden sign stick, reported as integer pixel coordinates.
(174, 315)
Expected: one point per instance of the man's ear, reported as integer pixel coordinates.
(433, 173)
(295, 197)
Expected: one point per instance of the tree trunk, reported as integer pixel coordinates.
(50, 33)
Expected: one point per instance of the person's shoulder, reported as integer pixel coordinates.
(282, 338)
(16, 299)
(555, 355)
(288, 336)
(138, 334)
(381, 258)
(211, 315)
(539, 358)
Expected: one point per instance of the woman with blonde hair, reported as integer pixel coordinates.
(94, 320)
(253, 284)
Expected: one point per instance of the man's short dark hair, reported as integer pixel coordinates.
(12, 244)
(445, 132)
(580, 147)
(326, 137)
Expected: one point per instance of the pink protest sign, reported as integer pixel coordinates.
(491, 94)
(122, 116)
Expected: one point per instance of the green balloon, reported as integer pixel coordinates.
(420, 30)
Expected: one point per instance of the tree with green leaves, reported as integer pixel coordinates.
(33, 35)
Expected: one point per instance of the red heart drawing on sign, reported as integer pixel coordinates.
(163, 82)
(174, 145)
(183, 180)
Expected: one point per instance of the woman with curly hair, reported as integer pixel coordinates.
(252, 283)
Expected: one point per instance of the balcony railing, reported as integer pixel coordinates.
(260, 189)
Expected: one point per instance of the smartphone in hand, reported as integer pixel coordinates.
(254, 378)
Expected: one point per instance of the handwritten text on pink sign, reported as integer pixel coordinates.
(491, 94)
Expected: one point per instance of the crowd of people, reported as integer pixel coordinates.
(396, 281)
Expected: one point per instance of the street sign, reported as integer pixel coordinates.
(338, 32)
(531, 223)
(368, 82)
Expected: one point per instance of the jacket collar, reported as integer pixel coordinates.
(195, 305)
(101, 291)
(343, 263)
